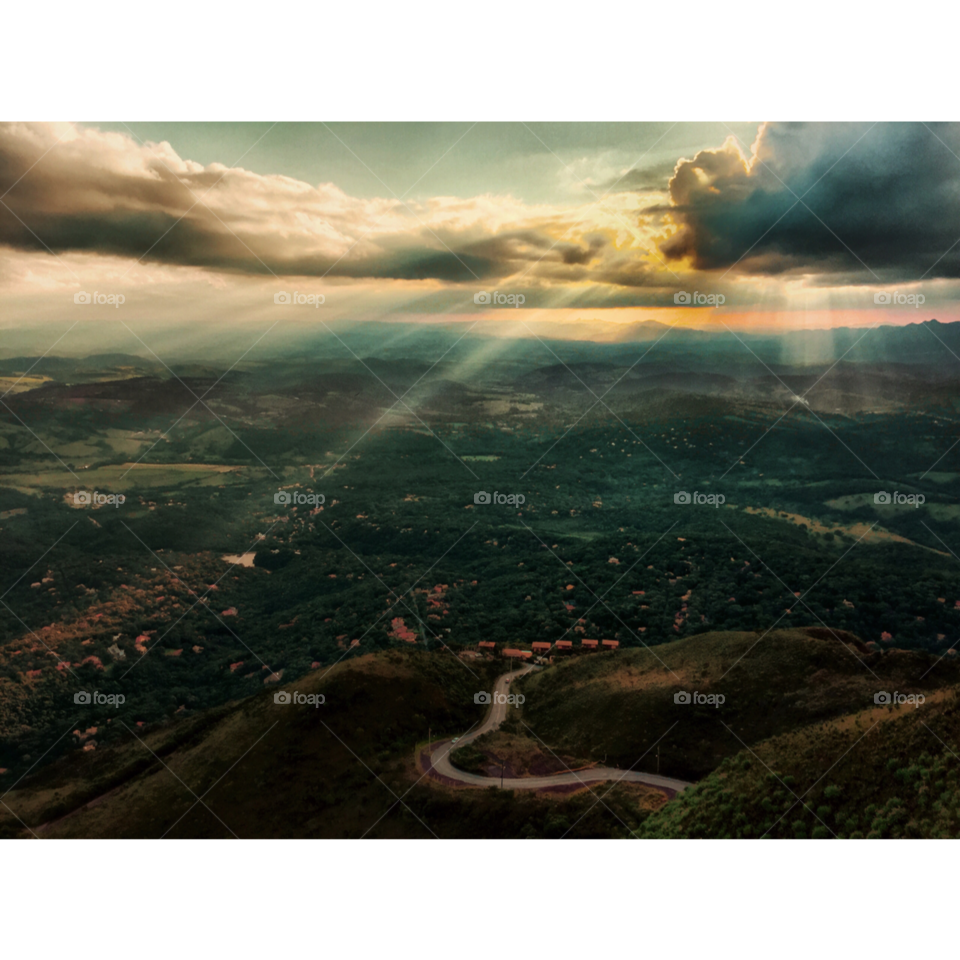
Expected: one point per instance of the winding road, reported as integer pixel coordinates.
(437, 762)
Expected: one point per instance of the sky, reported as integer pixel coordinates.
(576, 229)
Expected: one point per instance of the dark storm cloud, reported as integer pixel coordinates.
(887, 195)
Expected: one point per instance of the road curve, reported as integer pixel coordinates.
(437, 760)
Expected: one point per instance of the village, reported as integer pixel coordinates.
(542, 652)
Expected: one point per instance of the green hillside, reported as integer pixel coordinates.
(270, 769)
(621, 704)
(798, 748)
(882, 773)
(333, 771)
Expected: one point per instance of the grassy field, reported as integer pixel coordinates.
(129, 476)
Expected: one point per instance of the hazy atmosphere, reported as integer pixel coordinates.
(479, 480)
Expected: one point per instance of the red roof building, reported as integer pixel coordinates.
(486, 645)
(517, 654)
(564, 644)
(541, 647)
(610, 644)
(590, 644)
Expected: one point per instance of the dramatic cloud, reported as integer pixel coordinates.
(872, 202)
(73, 189)
(809, 213)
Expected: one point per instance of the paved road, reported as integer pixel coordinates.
(440, 757)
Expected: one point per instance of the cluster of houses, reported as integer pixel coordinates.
(547, 650)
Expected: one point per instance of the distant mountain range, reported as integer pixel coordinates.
(929, 343)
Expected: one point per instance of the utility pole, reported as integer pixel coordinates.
(658, 759)
(501, 774)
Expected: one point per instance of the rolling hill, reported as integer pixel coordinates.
(884, 772)
(343, 769)
(621, 705)
(261, 768)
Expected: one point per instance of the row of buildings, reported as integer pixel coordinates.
(544, 649)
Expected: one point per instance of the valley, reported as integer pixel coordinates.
(283, 522)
